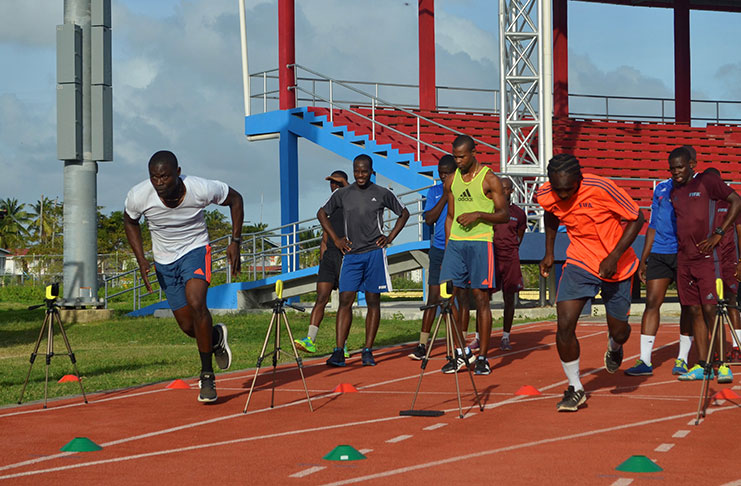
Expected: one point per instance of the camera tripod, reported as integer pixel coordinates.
(279, 314)
(721, 318)
(51, 317)
(451, 330)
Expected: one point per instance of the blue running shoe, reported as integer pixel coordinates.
(367, 357)
(695, 373)
(724, 374)
(640, 369)
(680, 367)
(337, 359)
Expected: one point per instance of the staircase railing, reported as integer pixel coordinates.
(611, 107)
(260, 249)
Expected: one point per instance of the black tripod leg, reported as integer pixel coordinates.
(433, 336)
(299, 363)
(259, 362)
(34, 353)
(49, 354)
(460, 337)
(276, 354)
(69, 351)
(449, 324)
(702, 405)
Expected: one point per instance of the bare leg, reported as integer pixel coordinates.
(344, 317)
(323, 292)
(483, 318)
(428, 317)
(372, 318)
(655, 293)
(508, 316)
(568, 315)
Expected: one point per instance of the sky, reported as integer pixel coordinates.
(177, 80)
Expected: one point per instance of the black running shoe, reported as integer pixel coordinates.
(337, 358)
(453, 366)
(367, 357)
(571, 401)
(207, 386)
(482, 366)
(613, 359)
(419, 352)
(222, 352)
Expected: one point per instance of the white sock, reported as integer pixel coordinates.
(685, 343)
(312, 332)
(612, 345)
(571, 369)
(477, 336)
(505, 335)
(647, 347)
(738, 335)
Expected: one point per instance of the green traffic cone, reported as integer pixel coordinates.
(344, 453)
(80, 444)
(639, 464)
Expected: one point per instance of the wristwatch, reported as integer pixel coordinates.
(719, 231)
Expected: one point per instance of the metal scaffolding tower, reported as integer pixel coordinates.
(525, 72)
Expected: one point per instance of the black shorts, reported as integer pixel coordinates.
(329, 268)
(661, 265)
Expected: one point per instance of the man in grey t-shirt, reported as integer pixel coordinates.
(364, 267)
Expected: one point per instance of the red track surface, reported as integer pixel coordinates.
(156, 435)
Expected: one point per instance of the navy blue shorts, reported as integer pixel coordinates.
(436, 262)
(469, 264)
(577, 283)
(173, 276)
(365, 272)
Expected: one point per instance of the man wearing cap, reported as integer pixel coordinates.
(330, 263)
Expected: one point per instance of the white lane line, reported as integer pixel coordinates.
(525, 445)
(737, 387)
(469, 415)
(399, 438)
(308, 471)
(681, 434)
(435, 426)
(733, 483)
(194, 447)
(622, 482)
(365, 451)
(664, 448)
(79, 404)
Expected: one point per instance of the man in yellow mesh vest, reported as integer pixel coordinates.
(476, 203)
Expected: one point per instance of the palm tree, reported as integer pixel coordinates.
(13, 232)
(43, 221)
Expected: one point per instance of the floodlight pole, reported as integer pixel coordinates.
(84, 136)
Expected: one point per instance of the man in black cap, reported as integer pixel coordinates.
(330, 263)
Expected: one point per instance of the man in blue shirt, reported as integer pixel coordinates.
(657, 269)
(436, 210)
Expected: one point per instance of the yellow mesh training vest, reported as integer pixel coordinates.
(469, 197)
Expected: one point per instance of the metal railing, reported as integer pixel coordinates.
(260, 248)
(456, 98)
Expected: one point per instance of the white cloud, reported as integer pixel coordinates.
(455, 34)
(28, 22)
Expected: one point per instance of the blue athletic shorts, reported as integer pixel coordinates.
(365, 272)
(577, 283)
(469, 264)
(173, 276)
(436, 262)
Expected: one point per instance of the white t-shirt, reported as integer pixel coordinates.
(175, 231)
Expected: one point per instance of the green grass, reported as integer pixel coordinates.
(124, 351)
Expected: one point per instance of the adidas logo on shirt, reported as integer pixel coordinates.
(465, 196)
(373, 199)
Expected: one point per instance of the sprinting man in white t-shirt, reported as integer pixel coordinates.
(173, 208)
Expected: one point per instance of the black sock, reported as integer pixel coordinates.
(206, 365)
(215, 336)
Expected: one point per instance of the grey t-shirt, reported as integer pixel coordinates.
(363, 212)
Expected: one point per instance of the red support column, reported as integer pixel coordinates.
(427, 94)
(683, 108)
(286, 53)
(560, 59)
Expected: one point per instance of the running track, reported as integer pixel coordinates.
(151, 434)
